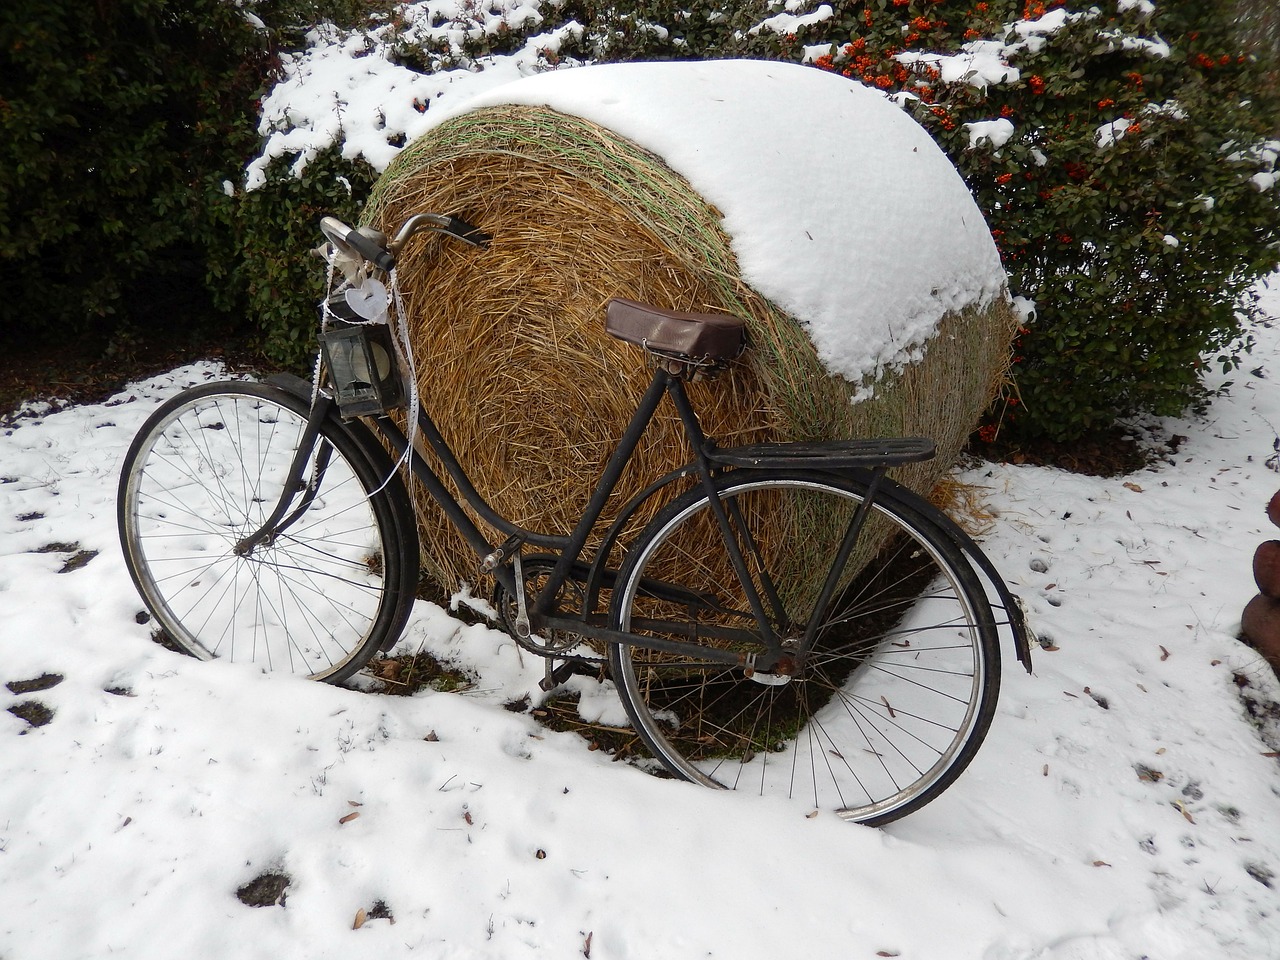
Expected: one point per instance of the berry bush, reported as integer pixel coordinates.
(1120, 154)
(1122, 163)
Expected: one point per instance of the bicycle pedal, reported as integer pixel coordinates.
(557, 676)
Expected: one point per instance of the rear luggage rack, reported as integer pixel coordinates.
(828, 455)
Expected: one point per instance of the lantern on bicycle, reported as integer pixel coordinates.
(362, 364)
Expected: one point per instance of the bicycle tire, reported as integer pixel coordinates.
(902, 684)
(325, 594)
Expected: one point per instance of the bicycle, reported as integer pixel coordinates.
(269, 523)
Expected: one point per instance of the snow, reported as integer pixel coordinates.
(789, 22)
(869, 271)
(1049, 23)
(1107, 134)
(1121, 807)
(1156, 49)
(994, 132)
(980, 64)
(347, 89)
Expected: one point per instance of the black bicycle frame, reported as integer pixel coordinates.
(707, 464)
(569, 549)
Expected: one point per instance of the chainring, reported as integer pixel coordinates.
(557, 643)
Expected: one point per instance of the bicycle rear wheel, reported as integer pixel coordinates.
(324, 593)
(884, 711)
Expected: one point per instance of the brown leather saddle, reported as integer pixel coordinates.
(698, 338)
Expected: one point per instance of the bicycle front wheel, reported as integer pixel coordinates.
(324, 592)
(877, 716)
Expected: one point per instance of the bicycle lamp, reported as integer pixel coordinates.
(361, 362)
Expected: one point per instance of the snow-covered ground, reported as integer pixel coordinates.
(1123, 806)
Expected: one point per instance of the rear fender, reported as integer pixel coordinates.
(1023, 636)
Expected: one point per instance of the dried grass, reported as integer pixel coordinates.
(515, 365)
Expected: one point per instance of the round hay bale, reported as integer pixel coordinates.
(523, 381)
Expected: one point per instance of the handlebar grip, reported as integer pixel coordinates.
(375, 253)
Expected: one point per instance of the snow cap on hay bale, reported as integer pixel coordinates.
(803, 202)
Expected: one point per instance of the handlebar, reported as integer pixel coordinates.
(454, 227)
(372, 244)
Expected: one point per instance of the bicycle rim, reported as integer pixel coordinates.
(206, 470)
(886, 709)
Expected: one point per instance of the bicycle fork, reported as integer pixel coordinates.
(278, 522)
